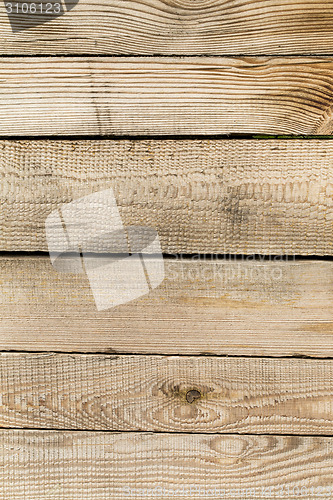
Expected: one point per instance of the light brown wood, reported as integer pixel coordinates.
(220, 307)
(169, 394)
(151, 96)
(182, 27)
(211, 196)
(103, 466)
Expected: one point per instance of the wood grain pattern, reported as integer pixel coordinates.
(103, 466)
(152, 96)
(169, 394)
(210, 196)
(220, 307)
(181, 27)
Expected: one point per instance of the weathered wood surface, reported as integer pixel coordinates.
(151, 96)
(103, 466)
(243, 307)
(182, 27)
(210, 196)
(169, 394)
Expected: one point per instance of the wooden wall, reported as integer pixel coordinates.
(211, 121)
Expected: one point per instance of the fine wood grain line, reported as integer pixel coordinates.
(202, 196)
(168, 394)
(102, 466)
(163, 96)
(220, 307)
(182, 27)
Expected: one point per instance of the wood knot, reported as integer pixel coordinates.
(192, 395)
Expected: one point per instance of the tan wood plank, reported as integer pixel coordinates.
(98, 465)
(202, 196)
(167, 27)
(169, 394)
(151, 96)
(220, 307)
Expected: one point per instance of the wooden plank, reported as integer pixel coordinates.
(165, 27)
(99, 465)
(202, 196)
(166, 394)
(151, 96)
(219, 307)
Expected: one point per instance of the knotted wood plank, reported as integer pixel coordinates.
(166, 393)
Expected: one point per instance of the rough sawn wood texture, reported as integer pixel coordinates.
(166, 393)
(202, 196)
(99, 466)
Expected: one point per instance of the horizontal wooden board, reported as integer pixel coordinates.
(221, 307)
(202, 196)
(152, 96)
(169, 394)
(165, 27)
(102, 466)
